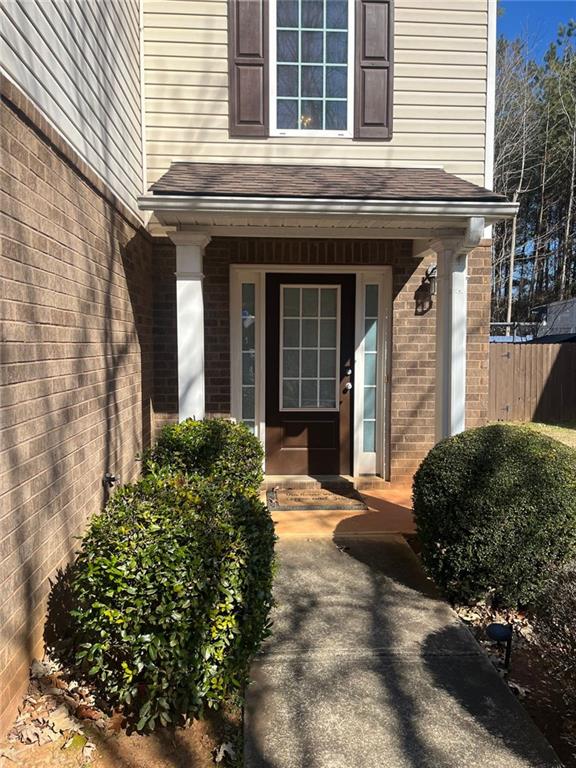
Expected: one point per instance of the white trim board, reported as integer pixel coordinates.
(373, 274)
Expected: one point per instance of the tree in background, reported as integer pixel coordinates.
(534, 259)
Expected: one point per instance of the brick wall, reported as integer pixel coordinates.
(412, 416)
(477, 351)
(76, 375)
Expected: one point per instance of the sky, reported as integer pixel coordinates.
(538, 18)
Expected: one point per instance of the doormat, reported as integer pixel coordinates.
(292, 499)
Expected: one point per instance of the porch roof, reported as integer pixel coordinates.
(318, 182)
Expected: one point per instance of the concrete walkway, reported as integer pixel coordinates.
(368, 668)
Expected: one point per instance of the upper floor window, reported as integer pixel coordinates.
(311, 67)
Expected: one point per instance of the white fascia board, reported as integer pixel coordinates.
(165, 204)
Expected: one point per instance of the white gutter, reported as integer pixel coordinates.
(328, 207)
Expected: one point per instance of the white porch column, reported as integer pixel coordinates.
(190, 322)
(451, 329)
(451, 318)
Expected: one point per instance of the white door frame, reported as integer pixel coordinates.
(364, 463)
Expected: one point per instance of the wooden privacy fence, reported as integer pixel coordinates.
(532, 382)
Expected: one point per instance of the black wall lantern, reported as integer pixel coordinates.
(431, 277)
(425, 291)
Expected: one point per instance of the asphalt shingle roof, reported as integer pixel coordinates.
(249, 180)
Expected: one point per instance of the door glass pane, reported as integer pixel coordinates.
(291, 363)
(310, 302)
(248, 354)
(309, 347)
(310, 333)
(292, 333)
(327, 395)
(309, 393)
(291, 395)
(327, 362)
(328, 333)
(370, 367)
(328, 302)
(291, 302)
(309, 363)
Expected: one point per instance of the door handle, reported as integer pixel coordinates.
(348, 386)
(348, 371)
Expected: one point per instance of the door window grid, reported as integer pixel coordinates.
(248, 322)
(309, 347)
(312, 67)
(370, 367)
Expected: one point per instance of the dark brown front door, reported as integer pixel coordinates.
(309, 358)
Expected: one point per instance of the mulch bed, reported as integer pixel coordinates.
(547, 696)
(62, 723)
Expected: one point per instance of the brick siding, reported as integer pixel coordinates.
(89, 356)
(412, 387)
(76, 376)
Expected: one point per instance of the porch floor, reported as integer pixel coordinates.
(389, 511)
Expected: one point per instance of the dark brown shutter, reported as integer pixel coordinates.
(248, 67)
(374, 69)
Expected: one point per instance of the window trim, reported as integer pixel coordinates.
(272, 85)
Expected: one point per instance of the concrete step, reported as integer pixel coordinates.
(336, 483)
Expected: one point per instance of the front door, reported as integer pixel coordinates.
(308, 368)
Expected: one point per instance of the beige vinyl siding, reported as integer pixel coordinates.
(439, 92)
(79, 62)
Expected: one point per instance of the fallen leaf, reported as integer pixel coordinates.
(61, 721)
(88, 750)
(223, 751)
(84, 712)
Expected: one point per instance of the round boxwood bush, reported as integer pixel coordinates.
(495, 511)
(556, 626)
(215, 448)
(172, 590)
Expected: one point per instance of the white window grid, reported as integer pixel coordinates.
(274, 98)
(318, 348)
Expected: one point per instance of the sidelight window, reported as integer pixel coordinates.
(309, 347)
(248, 335)
(311, 67)
(370, 367)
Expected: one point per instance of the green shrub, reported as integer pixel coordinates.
(212, 448)
(173, 589)
(495, 510)
(556, 626)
